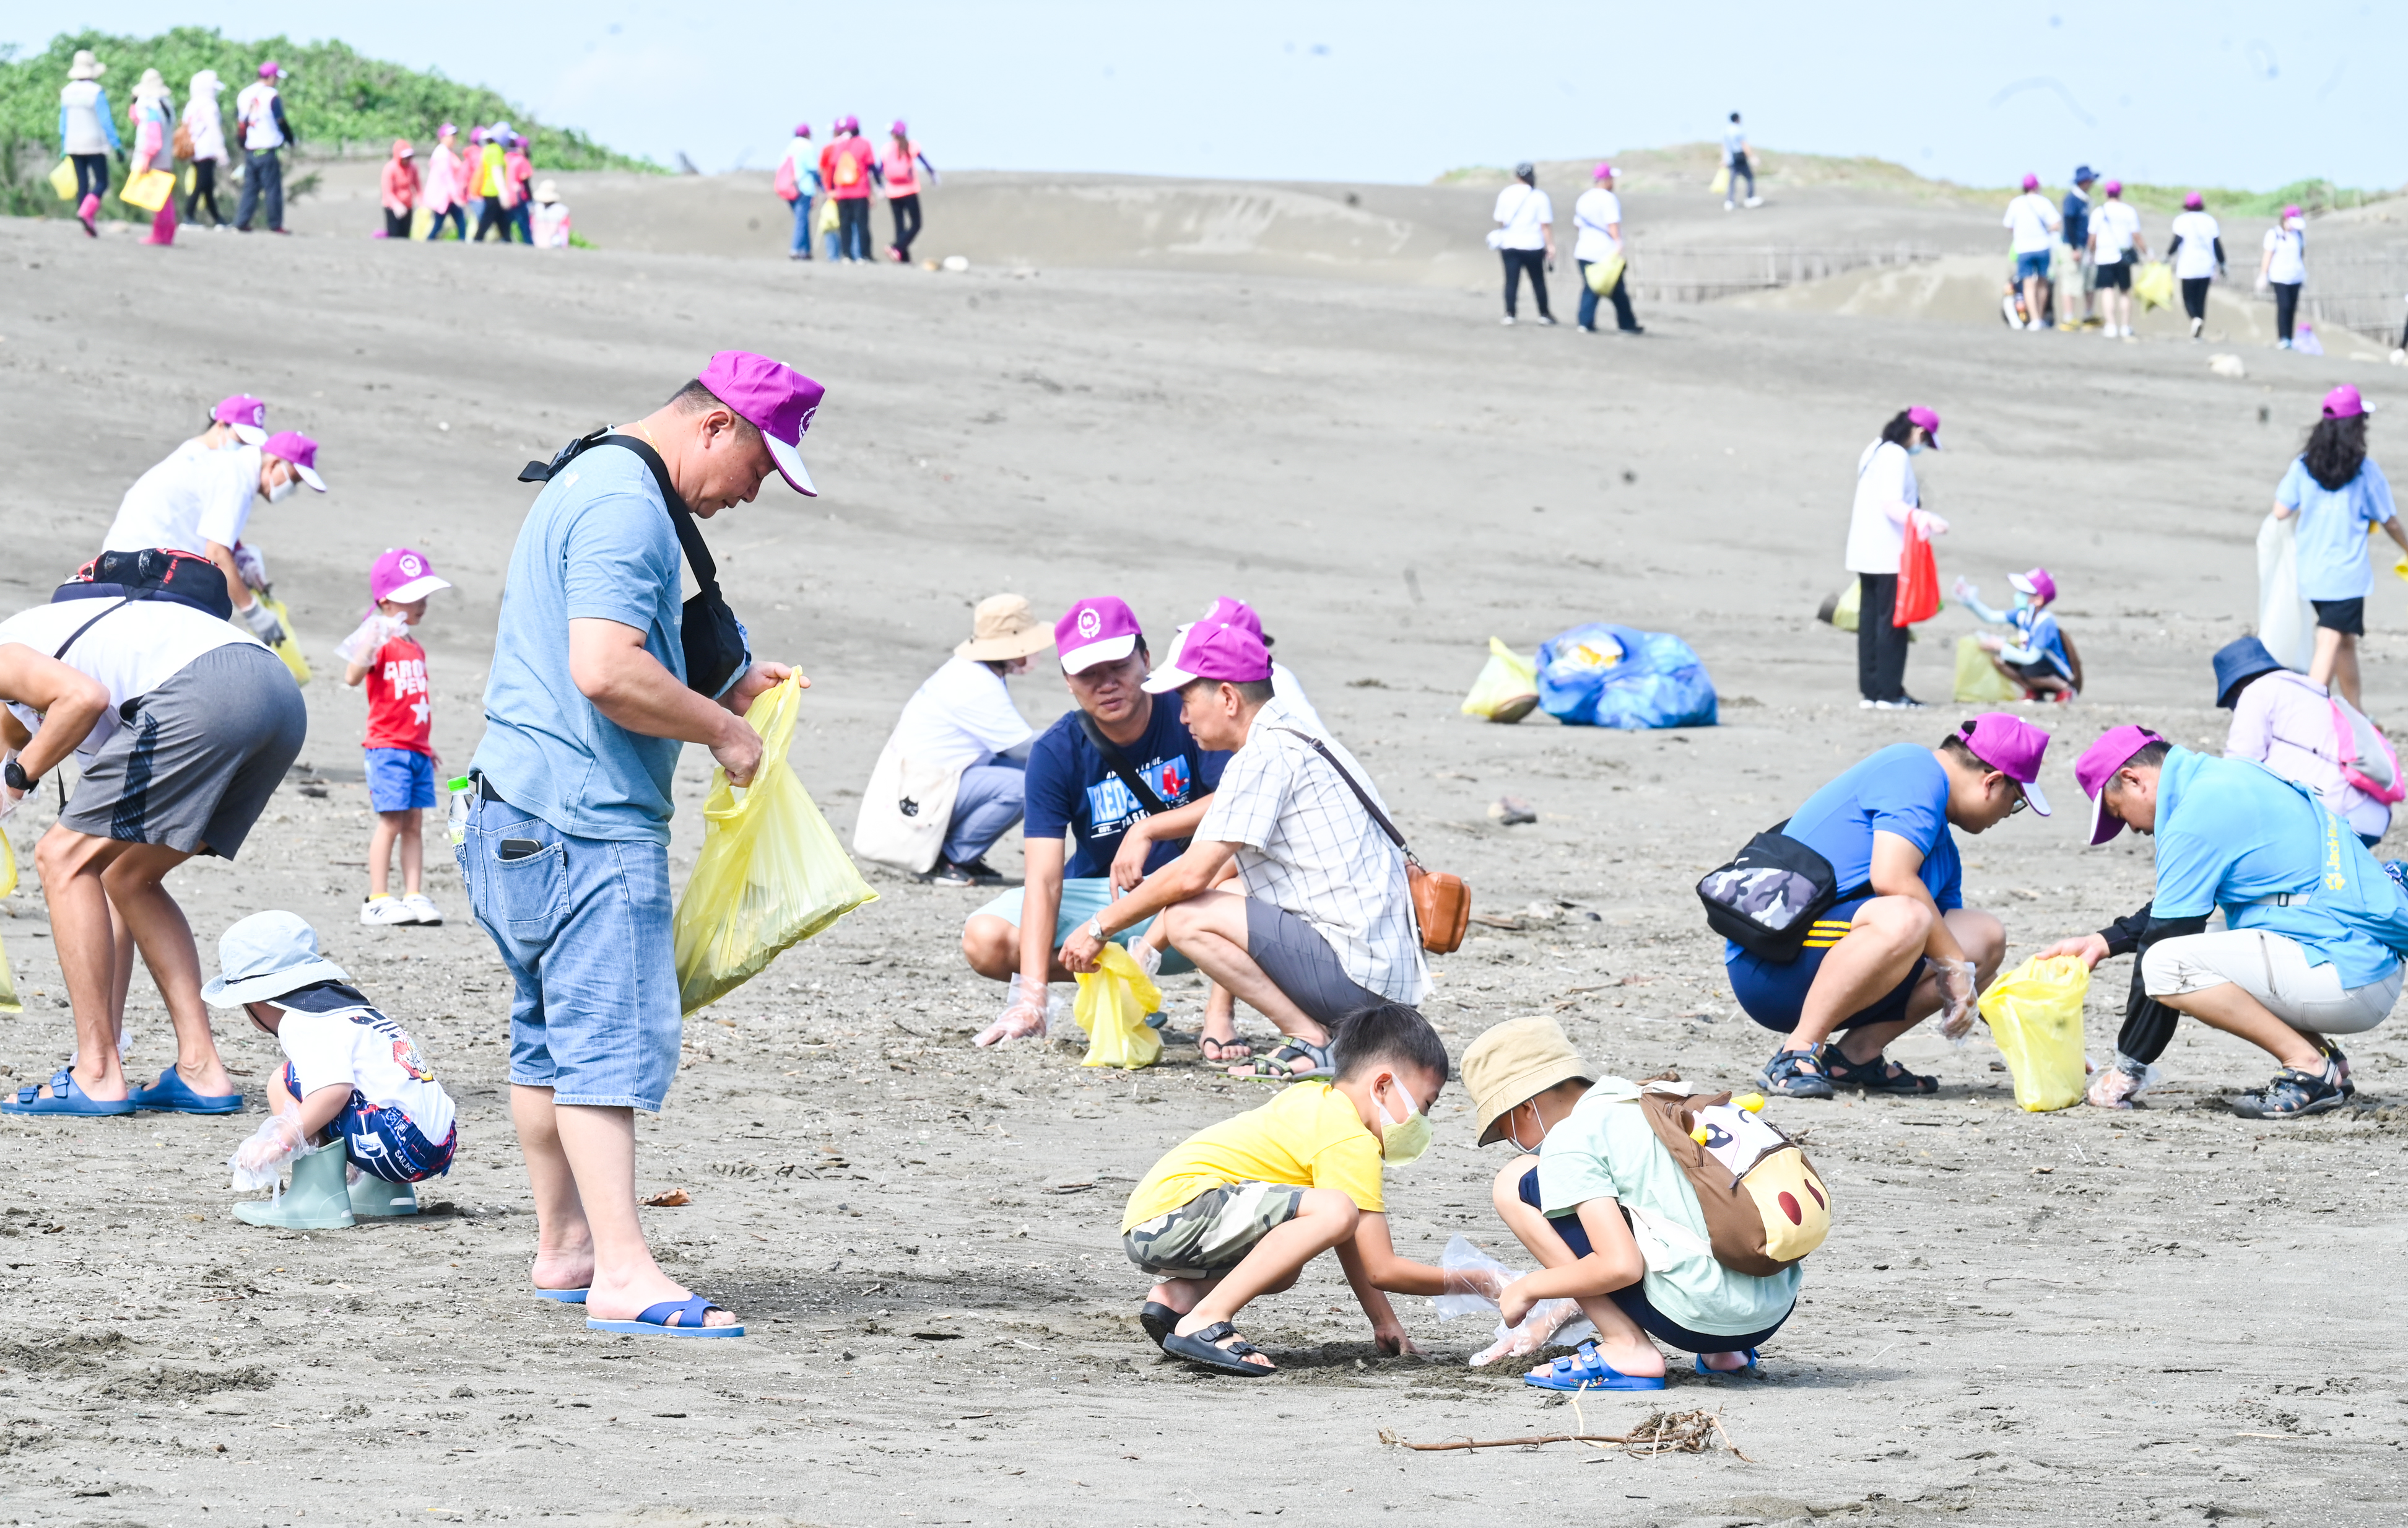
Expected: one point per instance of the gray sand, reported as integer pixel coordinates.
(2171, 1314)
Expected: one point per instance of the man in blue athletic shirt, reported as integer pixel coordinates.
(1090, 834)
(1901, 945)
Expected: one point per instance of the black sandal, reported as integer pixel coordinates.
(1203, 1347)
(1787, 1074)
(1158, 1320)
(1878, 1075)
(1219, 1054)
(1280, 1066)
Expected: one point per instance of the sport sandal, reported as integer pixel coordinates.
(1795, 1074)
(1203, 1347)
(2292, 1094)
(1585, 1371)
(1879, 1075)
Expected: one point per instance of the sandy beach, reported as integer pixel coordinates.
(2171, 1315)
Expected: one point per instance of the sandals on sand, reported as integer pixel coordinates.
(66, 1098)
(1795, 1074)
(670, 1319)
(1159, 1321)
(1726, 1374)
(1202, 1347)
(1281, 1065)
(1585, 1371)
(1217, 1051)
(1878, 1075)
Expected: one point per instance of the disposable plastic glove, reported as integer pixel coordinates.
(1147, 958)
(1539, 1329)
(1956, 999)
(1023, 1016)
(1928, 522)
(256, 1162)
(373, 633)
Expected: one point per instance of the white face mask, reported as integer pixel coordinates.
(283, 491)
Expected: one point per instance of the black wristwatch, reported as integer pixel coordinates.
(18, 779)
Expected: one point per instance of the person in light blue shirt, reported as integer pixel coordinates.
(2338, 495)
(2314, 930)
(2036, 658)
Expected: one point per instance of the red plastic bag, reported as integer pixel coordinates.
(1918, 581)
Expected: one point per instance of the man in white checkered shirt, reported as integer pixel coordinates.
(1326, 925)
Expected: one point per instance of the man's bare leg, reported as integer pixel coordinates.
(1323, 1217)
(582, 1168)
(1885, 939)
(135, 878)
(70, 865)
(1981, 936)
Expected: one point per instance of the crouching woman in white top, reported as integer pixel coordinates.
(951, 779)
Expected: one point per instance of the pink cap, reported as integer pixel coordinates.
(802, 129)
(848, 124)
(775, 399)
(2011, 746)
(271, 70)
(1093, 631)
(2115, 188)
(2344, 402)
(448, 130)
(900, 127)
(1928, 421)
(2193, 200)
(301, 452)
(2031, 181)
(247, 414)
(1225, 652)
(402, 575)
(1225, 610)
(1604, 172)
(2098, 764)
(2292, 211)
(2036, 584)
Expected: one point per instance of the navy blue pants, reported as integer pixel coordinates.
(1632, 1298)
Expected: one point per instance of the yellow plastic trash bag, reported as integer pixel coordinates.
(289, 648)
(2154, 284)
(1602, 274)
(771, 873)
(1507, 689)
(63, 181)
(421, 220)
(2035, 1016)
(1978, 678)
(826, 219)
(1113, 1001)
(148, 190)
(1721, 182)
(8, 866)
(8, 1003)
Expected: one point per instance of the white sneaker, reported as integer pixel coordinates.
(1728, 205)
(1756, 201)
(421, 909)
(379, 912)
(1509, 321)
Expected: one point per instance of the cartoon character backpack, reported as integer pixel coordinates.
(1765, 1205)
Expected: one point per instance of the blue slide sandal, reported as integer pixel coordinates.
(66, 1098)
(566, 1297)
(172, 1094)
(1726, 1374)
(1585, 1371)
(654, 1321)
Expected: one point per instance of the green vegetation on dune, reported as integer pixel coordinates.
(339, 103)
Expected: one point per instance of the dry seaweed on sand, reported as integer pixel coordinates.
(1659, 1433)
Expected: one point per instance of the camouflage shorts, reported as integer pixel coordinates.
(1212, 1232)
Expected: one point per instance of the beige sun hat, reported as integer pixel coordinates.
(1513, 1062)
(1004, 627)
(150, 86)
(86, 66)
(547, 192)
(206, 83)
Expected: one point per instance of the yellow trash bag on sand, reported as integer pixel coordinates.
(2154, 284)
(1602, 274)
(2035, 1016)
(148, 190)
(8, 866)
(1978, 678)
(771, 873)
(8, 1003)
(63, 181)
(1113, 1001)
(1721, 182)
(289, 648)
(1507, 689)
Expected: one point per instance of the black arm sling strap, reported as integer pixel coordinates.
(1119, 766)
(714, 644)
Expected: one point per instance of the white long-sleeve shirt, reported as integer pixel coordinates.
(1886, 493)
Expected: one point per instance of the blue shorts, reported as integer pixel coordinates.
(1082, 898)
(585, 927)
(1772, 994)
(384, 1141)
(2031, 265)
(400, 780)
(1632, 1298)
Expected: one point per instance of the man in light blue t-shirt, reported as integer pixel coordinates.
(599, 680)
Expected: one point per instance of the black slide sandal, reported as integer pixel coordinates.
(1158, 1320)
(1199, 1347)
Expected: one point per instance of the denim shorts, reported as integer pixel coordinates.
(384, 1141)
(2031, 264)
(400, 780)
(584, 926)
(1082, 898)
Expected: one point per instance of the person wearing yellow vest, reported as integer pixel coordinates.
(490, 181)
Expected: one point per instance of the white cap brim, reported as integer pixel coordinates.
(1078, 660)
(250, 435)
(790, 464)
(418, 588)
(1166, 679)
(2021, 585)
(308, 475)
(2033, 794)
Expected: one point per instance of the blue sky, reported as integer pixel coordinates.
(2237, 95)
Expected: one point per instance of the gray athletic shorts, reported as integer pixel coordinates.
(196, 765)
(1301, 964)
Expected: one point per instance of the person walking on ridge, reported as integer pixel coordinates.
(845, 164)
(2034, 222)
(2115, 246)
(2197, 251)
(2339, 495)
(153, 121)
(1596, 218)
(399, 192)
(2284, 268)
(2076, 233)
(87, 135)
(205, 130)
(1736, 166)
(259, 113)
(446, 192)
(797, 181)
(899, 172)
(1525, 234)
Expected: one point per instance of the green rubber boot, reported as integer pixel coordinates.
(319, 1199)
(372, 1197)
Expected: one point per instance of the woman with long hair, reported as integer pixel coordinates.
(1888, 502)
(2282, 269)
(2338, 492)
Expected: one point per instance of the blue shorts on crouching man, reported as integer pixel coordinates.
(1774, 994)
(384, 1141)
(400, 780)
(585, 925)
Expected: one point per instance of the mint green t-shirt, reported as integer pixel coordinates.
(1605, 1149)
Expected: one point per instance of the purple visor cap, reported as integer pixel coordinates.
(1227, 652)
(301, 452)
(1228, 612)
(774, 399)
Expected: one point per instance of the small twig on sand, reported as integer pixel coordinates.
(1662, 1433)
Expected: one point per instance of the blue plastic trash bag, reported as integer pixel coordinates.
(1601, 675)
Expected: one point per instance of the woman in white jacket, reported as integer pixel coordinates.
(152, 118)
(206, 126)
(1887, 501)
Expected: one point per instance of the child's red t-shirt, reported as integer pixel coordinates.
(401, 708)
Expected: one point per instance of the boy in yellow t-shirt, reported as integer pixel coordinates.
(1236, 1211)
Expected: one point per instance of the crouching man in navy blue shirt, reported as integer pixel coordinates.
(1901, 945)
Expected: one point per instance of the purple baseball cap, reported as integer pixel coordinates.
(2036, 584)
(1228, 612)
(1603, 172)
(1093, 631)
(2031, 181)
(247, 415)
(1220, 651)
(271, 70)
(2292, 211)
(2194, 201)
(1930, 421)
(402, 575)
(2098, 764)
(774, 399)
(2344, 402)
(2115, 188)
(301, 452)
(802, 129)
(2011, 746)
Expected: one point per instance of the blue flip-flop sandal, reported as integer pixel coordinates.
(172, 1094)
(653, 1321)
(566, 1297)
(1585, 1371)
(66, 1098)
(1726, 1374)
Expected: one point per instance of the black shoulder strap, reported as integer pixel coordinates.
(60, 654)
(698, 555)
(1352, 783)
(1121, 766)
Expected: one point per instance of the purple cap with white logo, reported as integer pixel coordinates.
(301, 452)
(402, 575)
(1228, 612)
(247, 415)
(1093, 631)
(2036, 584)
(2011, 746)
(774, 399)
(2098, 764)
(1227, 651)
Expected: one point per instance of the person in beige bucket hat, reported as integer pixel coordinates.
(951, 779)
